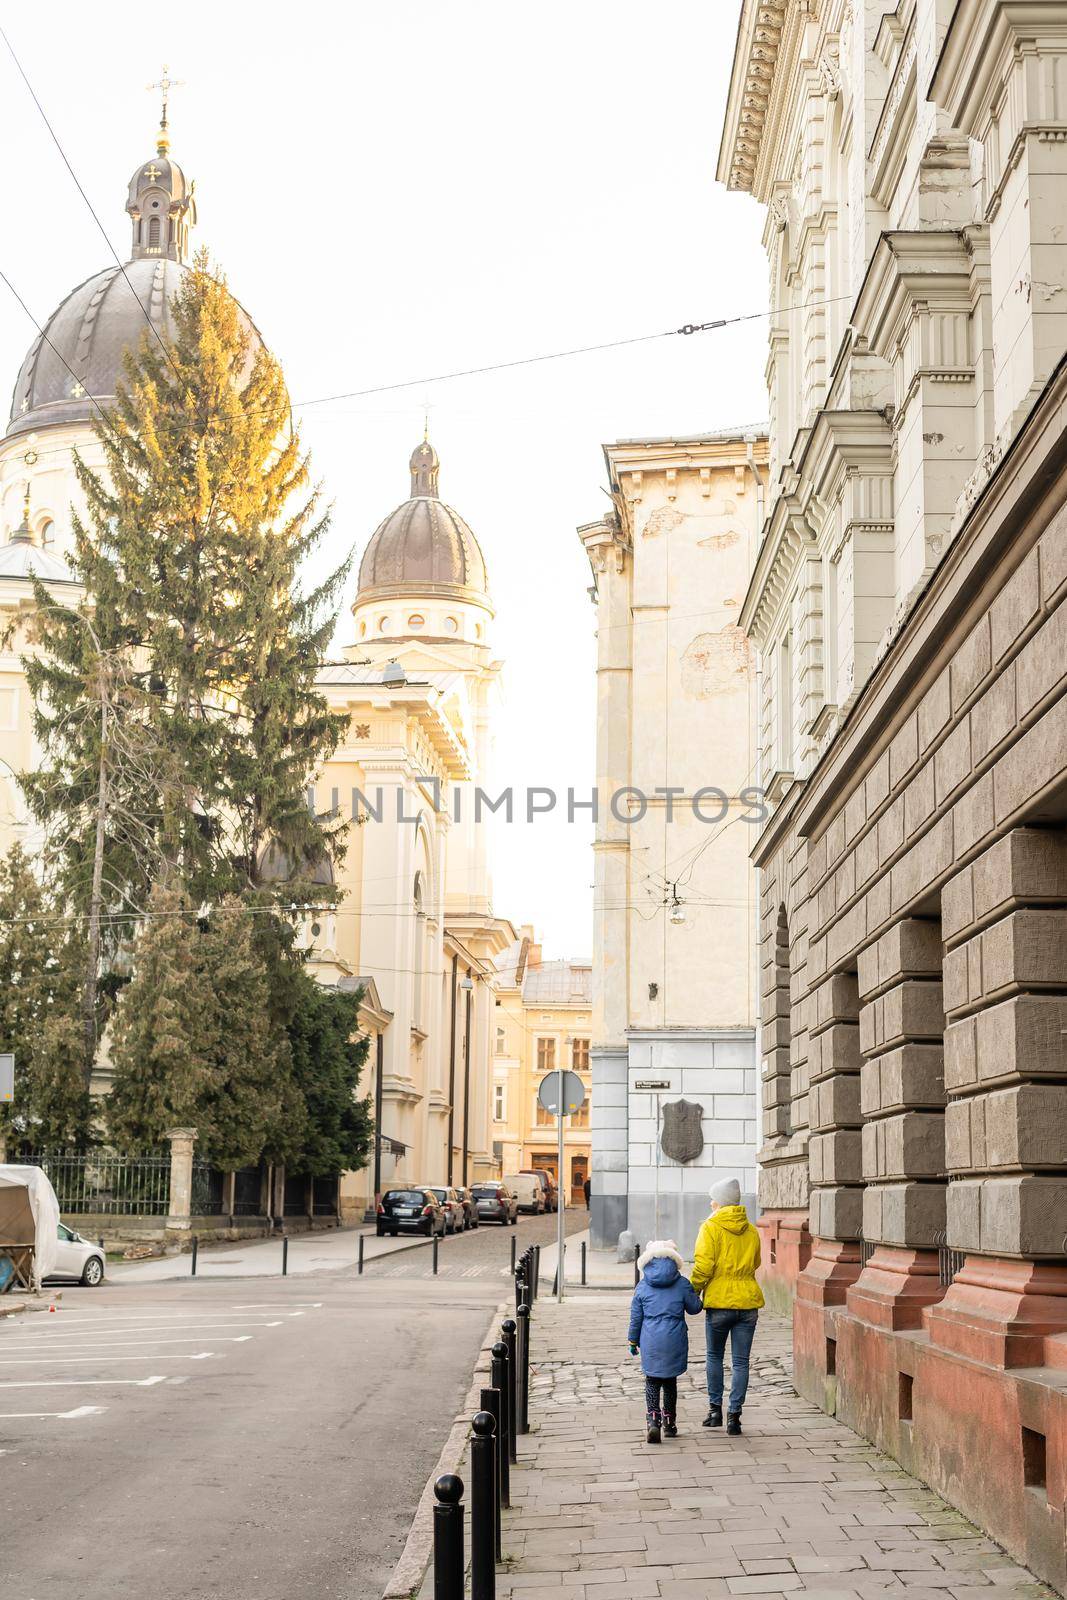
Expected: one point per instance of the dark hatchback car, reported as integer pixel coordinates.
(410, 1211)
(496, 1203)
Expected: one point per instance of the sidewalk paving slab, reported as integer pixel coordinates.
(799, 1505)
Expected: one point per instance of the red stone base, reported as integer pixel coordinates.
(992, 1441)
(895, 1287)
(1000, 1312)
(785, 1244)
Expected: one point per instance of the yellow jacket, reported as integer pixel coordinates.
(726, 1258)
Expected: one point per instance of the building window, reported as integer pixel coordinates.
(785, 705)
(501, 1042)
(543, 1118)
(451, 625)
(829, 622)
(499, 1102)
(48, 533)
(546, 1055)
(580, 1118)
(154, 225)
(416, 620)
(580, 1055)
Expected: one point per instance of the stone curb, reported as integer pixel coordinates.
(407, 1576)
(22, 1307)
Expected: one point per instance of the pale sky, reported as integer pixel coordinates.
(399, 188)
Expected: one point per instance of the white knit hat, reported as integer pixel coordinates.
(727, 1192)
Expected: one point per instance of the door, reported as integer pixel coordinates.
(69, 1255)
(579, 1173)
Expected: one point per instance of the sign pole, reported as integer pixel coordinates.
(559, 1191)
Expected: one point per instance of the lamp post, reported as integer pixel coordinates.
(466, 983)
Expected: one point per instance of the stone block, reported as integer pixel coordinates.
(891, 832)
(1026, 949)
(911, 948)
(973, 815)
(1034, 766)
(910, 1011)
(909, 1077)
(1015, 607)
(952, 762)
(1023, 1127)
(1052, 549)
(994, 717)
(957, 905)
(835, 1157)
(909, 1144)
(971, 664)
(935, 709)
(1023, 1216)
(835, 1102)
(835, 1050)
(910, 1214)
(961, 1054)
(903, 753)
(774, 1091)
(1025, 1036)
(837, 1000)
(957, 987)
(1041, 665)
(876, 786)
(776, 1121)
(836, 1212)
(919, 800)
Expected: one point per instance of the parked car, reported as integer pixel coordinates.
(470, 1208)
(411, 1210)
(548, 1184)
(77, 1259)
(528, 1192)
(496, 1203)
(455, 1215)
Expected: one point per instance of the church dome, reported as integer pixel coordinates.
(423, 547)
(77, 358)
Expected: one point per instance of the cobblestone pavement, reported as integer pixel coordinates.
(798, 1505)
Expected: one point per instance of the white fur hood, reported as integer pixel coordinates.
(656, 1248)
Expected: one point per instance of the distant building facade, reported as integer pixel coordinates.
(907, 606)
(674, 974)
(542, 1021)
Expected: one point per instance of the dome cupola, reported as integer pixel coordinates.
(423, 547)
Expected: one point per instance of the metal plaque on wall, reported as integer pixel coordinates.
(683, 1137)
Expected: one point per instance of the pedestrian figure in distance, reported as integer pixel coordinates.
(724, 1274)
(587, 1189)
(659, 1334)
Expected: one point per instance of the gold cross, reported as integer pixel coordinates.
(76, 390)
(165, 84)
(152, 173)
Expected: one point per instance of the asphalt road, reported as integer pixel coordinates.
(249, 1439)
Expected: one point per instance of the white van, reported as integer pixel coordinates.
(528, 1190)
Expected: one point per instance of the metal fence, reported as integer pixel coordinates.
(207, 1190)
(949, 1261)
(104, 1183)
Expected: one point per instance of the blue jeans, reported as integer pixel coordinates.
(740, 1328)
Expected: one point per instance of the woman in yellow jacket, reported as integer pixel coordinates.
(724, 1275)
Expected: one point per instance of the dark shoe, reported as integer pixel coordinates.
(733, 1422)
(670, 1427)
(713, 1418)
(653, 1428)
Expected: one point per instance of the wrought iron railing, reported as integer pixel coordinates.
(324, 1197)
(105, 1183)
(248, 1192)
(207, 1190)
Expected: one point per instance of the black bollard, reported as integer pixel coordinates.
(192, 1259)
(513, 1242)
(583, 1263)
(285, 1255)
(501, 1378)
(637, 1269)
(522, 1377)
(448, 1564)
(483, 1508)
(359, 1264)
(536, 1271)
(518, 1286)
(489, 1400)
(436, 1242)
(508, 1329)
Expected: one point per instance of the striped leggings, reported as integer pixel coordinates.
(669, 1387)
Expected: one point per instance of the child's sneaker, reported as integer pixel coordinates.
(653, 1428)
(670, 1427)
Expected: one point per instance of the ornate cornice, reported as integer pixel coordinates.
(759, 39)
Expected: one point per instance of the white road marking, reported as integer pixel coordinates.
(67, 1416)
(81, 1383)
(25, 1335)
(98, 1361)
(278, 1305)
(119, 1344)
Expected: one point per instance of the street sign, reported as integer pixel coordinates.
(7, 1079)
(573, 1093)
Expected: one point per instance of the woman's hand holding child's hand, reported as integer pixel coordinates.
(634, 1348)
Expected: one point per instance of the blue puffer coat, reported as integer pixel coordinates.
(657, 1313)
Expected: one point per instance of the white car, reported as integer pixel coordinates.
(77, 1259)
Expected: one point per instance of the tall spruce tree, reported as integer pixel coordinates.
(327, 1061)
(190, 559)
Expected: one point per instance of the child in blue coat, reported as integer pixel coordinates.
(658, 1329)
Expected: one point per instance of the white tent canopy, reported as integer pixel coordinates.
(29, 1216)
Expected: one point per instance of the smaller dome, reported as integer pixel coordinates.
(423, 546)
(21, 559)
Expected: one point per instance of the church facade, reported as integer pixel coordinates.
(409, 920)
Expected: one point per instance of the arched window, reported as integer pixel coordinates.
(154, 228)
(48, 533)
(416, 620)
